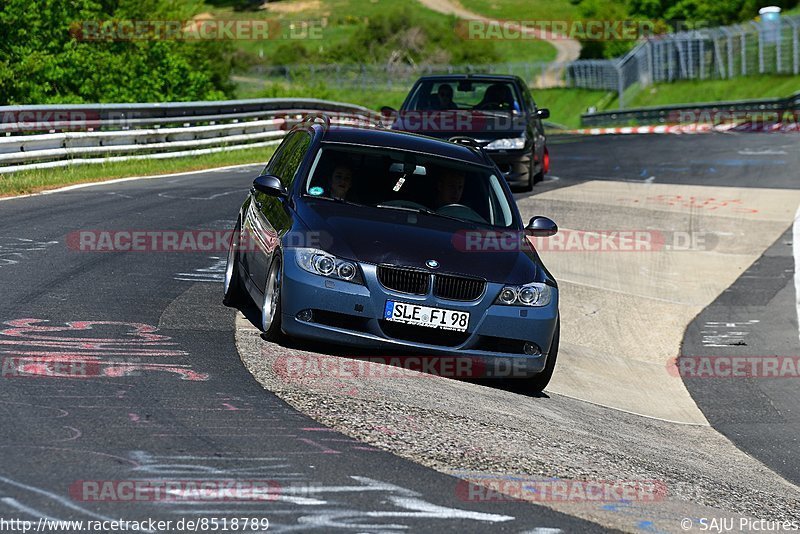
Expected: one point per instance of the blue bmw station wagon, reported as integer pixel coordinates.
(373, 238)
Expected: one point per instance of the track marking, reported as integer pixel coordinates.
(129, 179)
(796, 254)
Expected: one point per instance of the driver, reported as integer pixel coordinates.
(444, 98)
(449, 188)
(341, 181)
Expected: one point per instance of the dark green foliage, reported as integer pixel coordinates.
(42, 62)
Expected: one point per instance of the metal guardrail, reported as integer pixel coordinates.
(684, 112)
(115, 132)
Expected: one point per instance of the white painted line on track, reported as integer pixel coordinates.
(129, 179)
(796, 254)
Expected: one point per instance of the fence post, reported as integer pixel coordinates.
(729, 51)
(760, 48)
(744, 52)
(795, 51)
(620, 86)
(702, 58)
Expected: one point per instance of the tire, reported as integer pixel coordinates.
(531, 179)
(233, 290)
(540, 381)
(271, 305)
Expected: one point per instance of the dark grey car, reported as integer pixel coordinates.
(498, 111)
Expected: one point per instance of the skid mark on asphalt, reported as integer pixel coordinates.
(83, 349)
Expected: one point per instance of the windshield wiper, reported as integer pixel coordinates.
(339, 200)
(425, 211)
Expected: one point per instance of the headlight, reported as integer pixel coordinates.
(533, 294)
(320, 262)
(517, 143)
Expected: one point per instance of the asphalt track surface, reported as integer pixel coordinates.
(184, 408)
(757, 315)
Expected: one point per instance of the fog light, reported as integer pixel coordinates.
(531, 349)
(305, 315)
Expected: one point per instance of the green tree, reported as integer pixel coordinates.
(44, 60)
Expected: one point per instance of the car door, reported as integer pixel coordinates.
(268, 217)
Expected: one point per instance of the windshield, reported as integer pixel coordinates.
(465, 95)
(394, 179)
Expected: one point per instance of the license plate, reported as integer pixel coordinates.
(403, 312)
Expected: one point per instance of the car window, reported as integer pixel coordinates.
(528, 98)
(396, 179)
(488, 95)
(289, 156)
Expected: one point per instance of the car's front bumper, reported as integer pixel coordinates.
(351, 314)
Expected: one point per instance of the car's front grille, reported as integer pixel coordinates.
(404, 280)
(417, 282)
(457, 287)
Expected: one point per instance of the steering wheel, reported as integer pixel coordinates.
(461, 211)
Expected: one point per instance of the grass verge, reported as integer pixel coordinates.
(33, 181)
(554, 10)
(342, 19)
(691, 91)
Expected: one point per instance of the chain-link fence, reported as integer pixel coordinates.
(715, 53)
(399, 76)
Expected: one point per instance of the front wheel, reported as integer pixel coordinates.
(271, 306)
(233, 290)
(531, 179)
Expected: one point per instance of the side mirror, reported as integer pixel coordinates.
(386, 110)
(270, 185)
(541, 227)
(543, 113)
